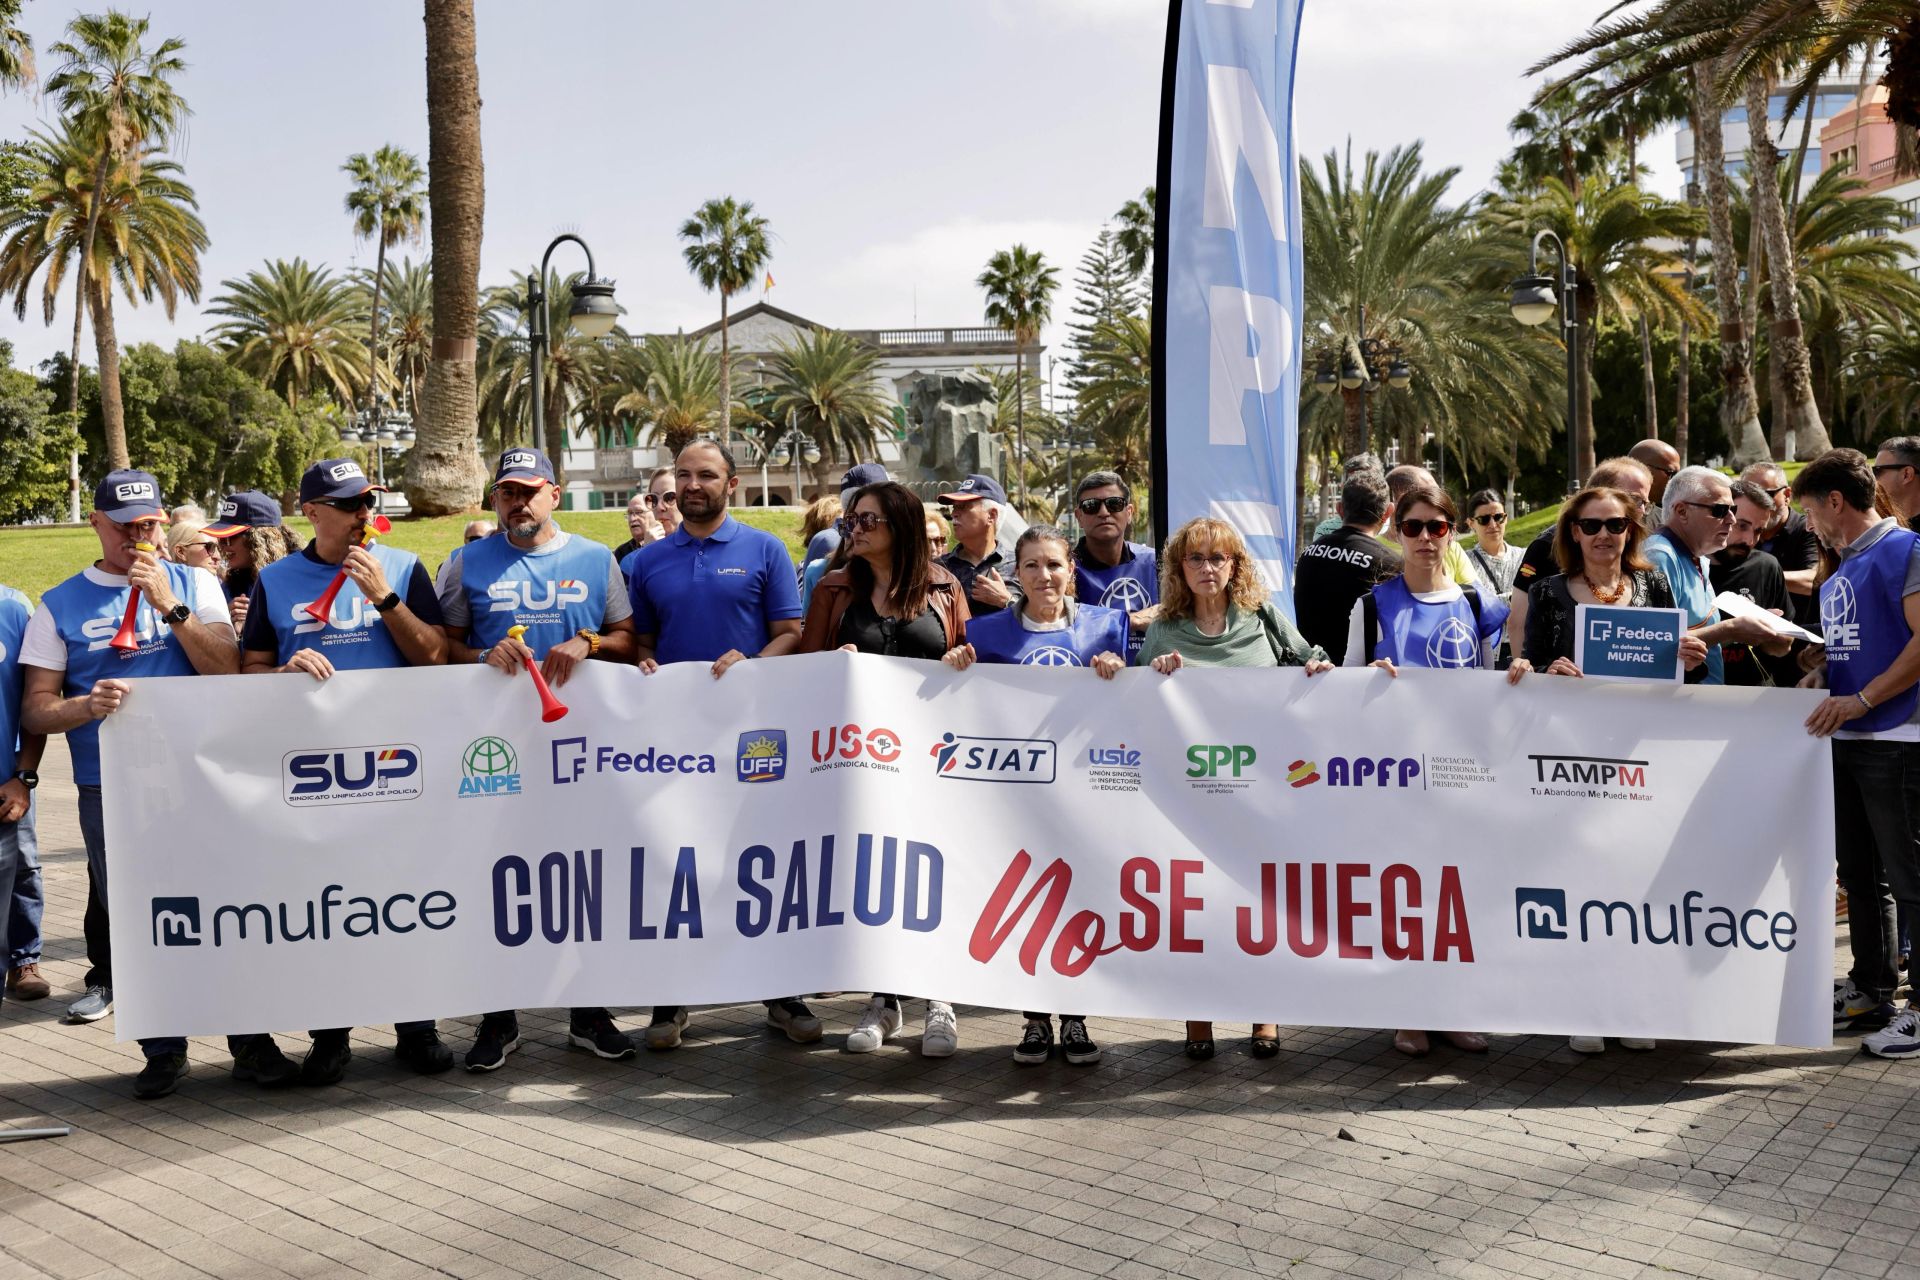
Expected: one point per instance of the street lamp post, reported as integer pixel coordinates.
(385, 429)
(798, 445)
(592, 312)
(1356, 368)
(1532, 302)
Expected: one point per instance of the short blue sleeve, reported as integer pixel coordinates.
(646, 621)
(783, 589)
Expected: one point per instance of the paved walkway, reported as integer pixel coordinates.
(743, 1155)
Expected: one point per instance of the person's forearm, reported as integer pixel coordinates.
(458, 650)
(616, 646)
(1800, 582)
(54, 714)
(784, 643)
(423, 645)
(212, 651)
(1897, 678)
(32, 747)
(255, 662)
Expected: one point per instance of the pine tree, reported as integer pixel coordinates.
(1105, 291)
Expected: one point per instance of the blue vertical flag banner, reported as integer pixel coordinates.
(1226, 277)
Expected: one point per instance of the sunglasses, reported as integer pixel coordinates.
(1891, 466)
(1432, 528)
(1114, 506)
(1718, 510)
(865, 521)
(1777, 490)
(1592, 525)
(663, 499)
(1498, 517)
(360, 503)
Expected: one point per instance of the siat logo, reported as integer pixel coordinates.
(351, 775)
(966, 759)
(535, 597)
(1454, 645)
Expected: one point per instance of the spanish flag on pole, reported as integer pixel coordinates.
(768, 286)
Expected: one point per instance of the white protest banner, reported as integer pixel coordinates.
(1437, 850)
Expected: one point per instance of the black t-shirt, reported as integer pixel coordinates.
(862, 627)
(1759, 578)
(1538, 564)
(1796, 547)
(416, 593)
(1333, 572)
(620, 552)
(966, 571)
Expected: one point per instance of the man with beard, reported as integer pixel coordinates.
(1742, 568)
(715, 591)
(1787, 538)
(1663, 463)
(567, 593)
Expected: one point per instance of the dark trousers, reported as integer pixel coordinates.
(401, 1029)
(93, 830)
(1876, 819)
(1031, 1016)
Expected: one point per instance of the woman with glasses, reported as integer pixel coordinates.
(1424, 619)
(1495, 563)
(890, 599)
(188, 543)
(1214, 612)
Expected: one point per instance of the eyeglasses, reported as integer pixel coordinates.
(1777, 490)
(1718, 510)
(1891, 466)
(1214, 561)
(1592, 525)
(360, 503)
(1498, 517)
(865, 521)
(663, 499)
(1432, 528)
(1114, 505)
(474, 537)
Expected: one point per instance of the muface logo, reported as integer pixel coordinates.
(762, 755)
(848, 742)
(351, 775)
(535, 597)
(1839, 614)
(348, 614)
(966, 759)
(1453, 645)
(1540, 913)
(1543, 914)
(176, 922)
(1211, 760)
(572, 756)
(489, 767)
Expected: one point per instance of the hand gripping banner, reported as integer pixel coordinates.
(1434, 851)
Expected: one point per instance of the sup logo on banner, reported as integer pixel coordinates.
(351, 775)
(489, 767)
(762, 756)
(964, 759)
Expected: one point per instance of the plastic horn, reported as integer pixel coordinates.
(322, 609)
(124, 637)
(551, 708)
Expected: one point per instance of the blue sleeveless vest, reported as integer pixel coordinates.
(14, 612)
(86, 615)
(552, 595)
(1416, 634)
(999, 637)
(1129, 586)
(1866, 627)
(354, 637)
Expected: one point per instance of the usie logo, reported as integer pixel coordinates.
(351, 775)
(1120, 757)
(966, 759)
(176, 922)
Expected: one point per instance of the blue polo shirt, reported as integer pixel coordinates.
(1692, 591)
(699, 597)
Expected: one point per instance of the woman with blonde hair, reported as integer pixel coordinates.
(188, 544)
(1214, 612)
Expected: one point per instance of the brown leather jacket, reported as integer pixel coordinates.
(834, 593)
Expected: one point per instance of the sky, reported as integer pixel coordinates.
(893, 145)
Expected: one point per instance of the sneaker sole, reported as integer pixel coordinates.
(1863, 1022)
(505, 1049)
(1911, 1049)
(1082, 1059)
(1027, 1058)
(586, 1042)
(938, 1050)
(660, 1044)
(810, 1035)
(82, 1018)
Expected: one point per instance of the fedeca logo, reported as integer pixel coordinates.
(176, 922)
(762, 756)
(967, 759)
(489, 767)
(571, 756)
(351, 775)
(1543, 914)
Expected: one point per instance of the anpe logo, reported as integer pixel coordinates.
(1125, 593)
(1839, 614)
(1540, 913)
(1543, 914)
(489, 767)
(176, 922)
(1303, 773)
(571, 756)
(1453, 645)
(762, 755)
(535, 597)
(965, 759)
(351, 775)
(1210, 760)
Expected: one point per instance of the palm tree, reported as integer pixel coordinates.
(1115, 404)
(1739, 402)
(1558, 139)
(444, 472)
(408, 292)
(1019, 286)
(295, 327)
(119, 98)
(389, 204)
(571, 369)
(824, 382)
(143, 231)
(726, 249)
(679, 399)
(1134, 232)
(16, 48)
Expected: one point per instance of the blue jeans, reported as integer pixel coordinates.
(20, 869)
(1876, 819)
(93, 830)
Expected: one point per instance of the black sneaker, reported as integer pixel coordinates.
(497, 1038)
(159, 1077)
(602, 1037)
(1037, 1044)
(326, 1062)
(793, 1017)
(259, 1061)
(423, 1053)
(1076, 1046)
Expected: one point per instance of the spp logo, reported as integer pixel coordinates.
(345, 471)
(1540, 913)
(850, 742)
(535, 597)
(762, 755)
(1453, 644)
(351, 775)
(967, 759)
(1839, 614)
(176, 922)
(349, 613)
(489, 767)
(135, 491)
(1215, 760)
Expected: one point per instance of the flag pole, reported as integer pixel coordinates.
(1157, 500)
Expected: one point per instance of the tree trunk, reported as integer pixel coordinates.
(444, 472)
(1795, 415)
(373, 347)
(1739, 410)
(1652, 385)
(1353, 424)
(1020, 417)
(106, 348)
(1583, 402)
(112, 418)
(726, 376)
(1682, 388)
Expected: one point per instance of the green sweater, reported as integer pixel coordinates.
(1247, 642)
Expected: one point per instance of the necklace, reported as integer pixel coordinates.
(1607, 597)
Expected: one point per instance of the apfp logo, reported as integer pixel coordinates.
(965, 759)
(351, 775)
(1303, 773)
(176, 922)
(762, 755)
(489, 767)
(1453, 644)
(1540, 913)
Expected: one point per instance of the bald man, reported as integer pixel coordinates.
(1664, 462)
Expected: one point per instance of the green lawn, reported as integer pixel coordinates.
(34, 559)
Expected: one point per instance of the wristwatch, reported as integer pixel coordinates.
(593, 641)
(28, 778)
(178, 614)
(391, 602)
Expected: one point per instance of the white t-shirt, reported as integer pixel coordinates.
(43, 647)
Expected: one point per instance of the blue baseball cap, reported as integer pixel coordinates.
(239, 512)
(125, 496)
(862, 474)
(974, 487)
(335, 478)
(523, 465)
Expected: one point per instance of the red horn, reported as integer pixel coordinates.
(322, 609)
(124, 638)
(551, 708)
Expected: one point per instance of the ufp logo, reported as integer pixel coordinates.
(1540, 913)
(351, 775)
(762, 755)
(1209, 760)
(965, 759)
(509, 597)
(176, 922)
(489, 767)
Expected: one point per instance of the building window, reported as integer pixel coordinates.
(1843, 159)
(1910, 212)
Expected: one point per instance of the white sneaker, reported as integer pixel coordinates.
(1587, 1044)
(1637, 1045)
(1899, 1038)
(877, 1021)
(942, 1035)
